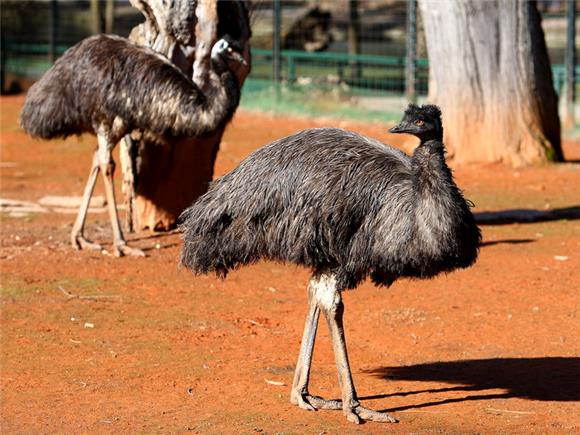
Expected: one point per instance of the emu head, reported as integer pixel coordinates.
(421, 121)
(227, 53)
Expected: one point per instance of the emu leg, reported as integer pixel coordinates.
(78, 239)
(331, 305)
(128, 187)
(299, 395)
(107, 165)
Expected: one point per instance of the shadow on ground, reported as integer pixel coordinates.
(545, 379)
(525, 215)
(507, 241)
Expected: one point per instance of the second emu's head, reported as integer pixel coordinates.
(227, 53)
(421, 121)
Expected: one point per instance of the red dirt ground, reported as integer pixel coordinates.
(491, 349)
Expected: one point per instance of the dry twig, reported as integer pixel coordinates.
(423, 411)
(508, 411)
(103, 298)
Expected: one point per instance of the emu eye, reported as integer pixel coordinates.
(418, 122)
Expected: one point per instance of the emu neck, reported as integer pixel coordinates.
(215, 108)
(431, 135)
(436, 194)
(433, 179)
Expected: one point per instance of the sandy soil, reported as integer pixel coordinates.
(492, 349)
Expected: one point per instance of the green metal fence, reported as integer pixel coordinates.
(324, 84)
(365, 73)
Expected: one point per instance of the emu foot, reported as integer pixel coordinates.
(121, 249)
(79, 242)
(358, 413)
(312, 403)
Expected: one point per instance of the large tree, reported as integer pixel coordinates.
(166, 179)
(490, 73)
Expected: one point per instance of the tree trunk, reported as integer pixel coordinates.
(169, 178)
(206, 36)
(491, 76)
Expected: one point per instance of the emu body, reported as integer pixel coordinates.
(347, 207)
(337, 202)
(109, 86)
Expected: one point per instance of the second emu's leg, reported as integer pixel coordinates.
(107, 165)
(77, 237)
(327, 297)
(127, 156)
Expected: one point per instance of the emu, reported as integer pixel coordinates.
(346, 206)
(111, 87)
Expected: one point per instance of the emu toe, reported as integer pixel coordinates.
(313, 403)
(122, 249)
(361, 413)
(79, 242)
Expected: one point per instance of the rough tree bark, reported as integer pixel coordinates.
(490, 73)
(169, 178)
(205, 34)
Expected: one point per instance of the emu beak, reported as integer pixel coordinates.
(238, 58)
(399, 128)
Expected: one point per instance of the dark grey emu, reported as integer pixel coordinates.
(109, 86)
(346, 206)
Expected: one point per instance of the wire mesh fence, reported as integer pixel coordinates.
(345, 58)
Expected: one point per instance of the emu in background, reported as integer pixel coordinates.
(347, 207)
(109, 86)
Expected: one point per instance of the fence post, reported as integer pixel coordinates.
(570, 62)
(291, 69)
(109, 16)
(354, 40)
(96, 17)
(276, 58)
(411, 42)
(52, 31)
(557, 77)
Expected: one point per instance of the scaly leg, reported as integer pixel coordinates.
(300, 395)
(107, 165)
(78, 239)
(128, 186)
(330, 302)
